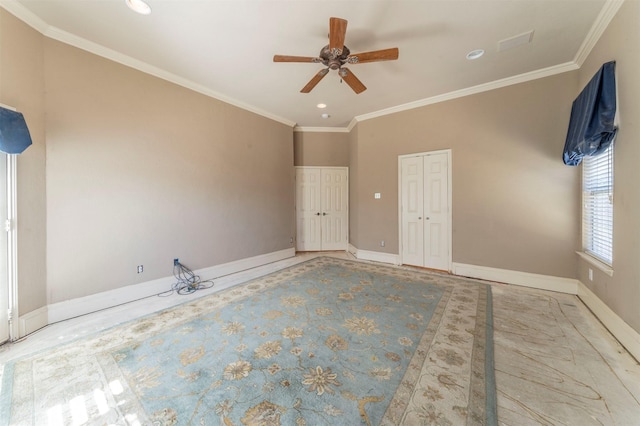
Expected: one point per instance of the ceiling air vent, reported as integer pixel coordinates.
(515, 41)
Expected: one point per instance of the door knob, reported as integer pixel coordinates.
(419, 218)
(318, 214)
(324, 214)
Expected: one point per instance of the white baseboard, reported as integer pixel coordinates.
(525, 279)
(72, 308)
(627, 336)
(83, 305)
(244, 264)
(33, 321)
(374, 256)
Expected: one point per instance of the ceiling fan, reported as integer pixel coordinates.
(336, 54)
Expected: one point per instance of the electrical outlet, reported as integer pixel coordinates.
(140, 269)
(176, 261)
(382, 243)
(291, 240)
(590, 274)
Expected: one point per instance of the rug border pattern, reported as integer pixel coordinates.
(481, 397)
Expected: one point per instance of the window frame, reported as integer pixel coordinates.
(597, 209)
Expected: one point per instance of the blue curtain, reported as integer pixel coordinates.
(14, 134)
(591, 127)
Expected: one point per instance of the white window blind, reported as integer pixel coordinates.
(597, 206)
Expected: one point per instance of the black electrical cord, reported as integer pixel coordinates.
(187, 281)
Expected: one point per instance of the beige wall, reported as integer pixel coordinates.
(326, 149)
(141, 171)
(515, 205)
(620, 43)
(22, 86)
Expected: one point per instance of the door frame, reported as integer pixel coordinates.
(12, 238)
(449, 201)
(10, 280)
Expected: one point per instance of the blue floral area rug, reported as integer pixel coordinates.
(325, 342)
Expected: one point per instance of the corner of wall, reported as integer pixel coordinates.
(33, 321)
(627, 336)
(374, 256)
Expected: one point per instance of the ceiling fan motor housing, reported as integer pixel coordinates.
(333, 61)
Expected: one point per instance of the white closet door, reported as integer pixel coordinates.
(436, 212)
(322, 208)
(335, 214)
(412, 209)
(308, 209)
(425, 210)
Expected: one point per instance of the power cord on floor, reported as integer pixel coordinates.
(187, 281)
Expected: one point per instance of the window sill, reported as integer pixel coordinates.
(595, 262)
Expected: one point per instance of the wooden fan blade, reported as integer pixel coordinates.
(285, 58)
(337, 32)
(376, 55)
(352, 80)
(315, 80)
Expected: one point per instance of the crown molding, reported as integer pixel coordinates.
(509, 81)
(99, 50)
(301, 129)
(54, 33)
(8, 107)
(607, 13)
(352, 124)
(25, 15)
(601, 23)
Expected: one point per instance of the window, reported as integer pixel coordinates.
(597, 206)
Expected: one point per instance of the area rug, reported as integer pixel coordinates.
(325, 342)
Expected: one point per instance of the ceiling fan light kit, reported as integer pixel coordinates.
(336, 54)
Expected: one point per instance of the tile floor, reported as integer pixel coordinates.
(555, 363)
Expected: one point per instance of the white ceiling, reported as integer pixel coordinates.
(224, 48)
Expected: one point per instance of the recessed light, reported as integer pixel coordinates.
(321, 106)
(475, 54)
(325, 115)
(138, 6)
